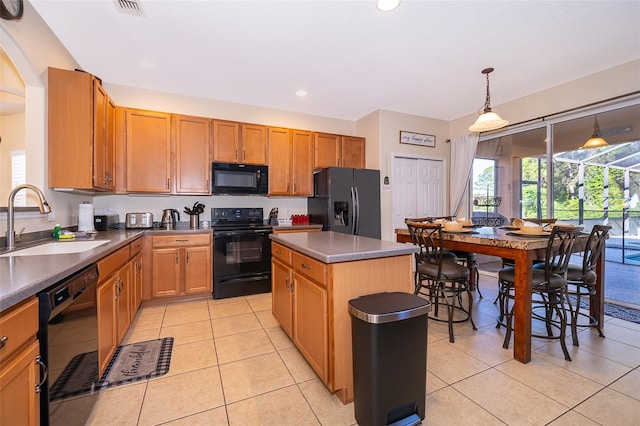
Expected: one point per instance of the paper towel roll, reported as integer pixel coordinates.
(85, 217)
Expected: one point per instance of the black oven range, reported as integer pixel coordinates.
(241, 252)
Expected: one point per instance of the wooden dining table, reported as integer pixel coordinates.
(523, 250)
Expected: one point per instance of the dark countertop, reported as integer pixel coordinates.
(334, 247)
(23, 276)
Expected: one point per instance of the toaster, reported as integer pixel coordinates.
(139, 220)
(105, 222)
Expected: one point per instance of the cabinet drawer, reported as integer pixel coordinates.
(312, 268)
(179, 240)
(135, 247)
(281, 252)
(18, 325)
(109, 264)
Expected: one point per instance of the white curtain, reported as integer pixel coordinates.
(463, 149)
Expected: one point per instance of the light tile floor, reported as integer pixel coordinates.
(232, 364)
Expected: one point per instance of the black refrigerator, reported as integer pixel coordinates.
(346, 200)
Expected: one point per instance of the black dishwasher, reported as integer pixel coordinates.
(68, 336)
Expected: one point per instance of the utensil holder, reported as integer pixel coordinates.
(194, 221)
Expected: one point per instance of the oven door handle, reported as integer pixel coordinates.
(241, 232)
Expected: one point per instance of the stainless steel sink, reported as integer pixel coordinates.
(57, 247)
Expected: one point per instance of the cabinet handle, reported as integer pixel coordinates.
(236, 154)
(286, 282)
(293, 288)
(305, 266)
(3, 341)
(278, 252)
(181, 241)
(168, 184)
(176, 258)
(46, 373)
(187, 256)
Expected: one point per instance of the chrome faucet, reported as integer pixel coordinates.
(42, 205)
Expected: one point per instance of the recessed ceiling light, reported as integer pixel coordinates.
(387, 5)
(301, 92)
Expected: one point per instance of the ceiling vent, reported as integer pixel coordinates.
(130, 7)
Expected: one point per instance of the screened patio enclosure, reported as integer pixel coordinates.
(541, 171)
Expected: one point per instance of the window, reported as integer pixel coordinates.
(18, 176)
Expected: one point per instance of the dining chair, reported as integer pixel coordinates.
(420, 256)
(548, 287)
(442, 281)
(467, 259)
(510, 262)
(581, 279)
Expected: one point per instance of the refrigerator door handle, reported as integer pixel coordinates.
(357, 212)
(354, 211)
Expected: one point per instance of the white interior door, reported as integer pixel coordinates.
(417, 189)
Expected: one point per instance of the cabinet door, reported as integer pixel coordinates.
(310, 324)
(302, 163)
(282, 300)
(123, 302)
(106, 296)
(148, 141)
(193, 164)
(253, 144)
(352, 152)
(226, 140)
(70, 129)
(136, 285)
(19, 402)
(99, 136)
(279, 161)
(165, 272)
(110, 147)
(197, 270)
(326, 149)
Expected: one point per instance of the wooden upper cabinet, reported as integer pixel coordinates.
(279, 161)
(338, 151)
(326, 149)
(192, 139)
(302, 163)
(226, 141)
(253, 143)
(352, 152)
(81, 145)
(148, 151)
(239, 143)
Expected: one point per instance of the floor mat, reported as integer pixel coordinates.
(611, 309)
(138, 361)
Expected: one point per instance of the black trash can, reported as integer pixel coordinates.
(389, 336)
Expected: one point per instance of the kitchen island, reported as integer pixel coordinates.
(314, 275)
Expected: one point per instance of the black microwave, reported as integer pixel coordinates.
(239, 179)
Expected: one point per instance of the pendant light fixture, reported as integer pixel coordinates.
(387, 5)
(595, 141)
(488, 120)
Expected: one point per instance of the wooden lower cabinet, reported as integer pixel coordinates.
(282, 298)
(310, 301)
(181, 264)
(106, 297)
(310, 330)
(118, 296)
(19, 401)
(136, 284)
(19, 365)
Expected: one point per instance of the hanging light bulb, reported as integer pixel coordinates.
(488, 120)
(595, 141)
